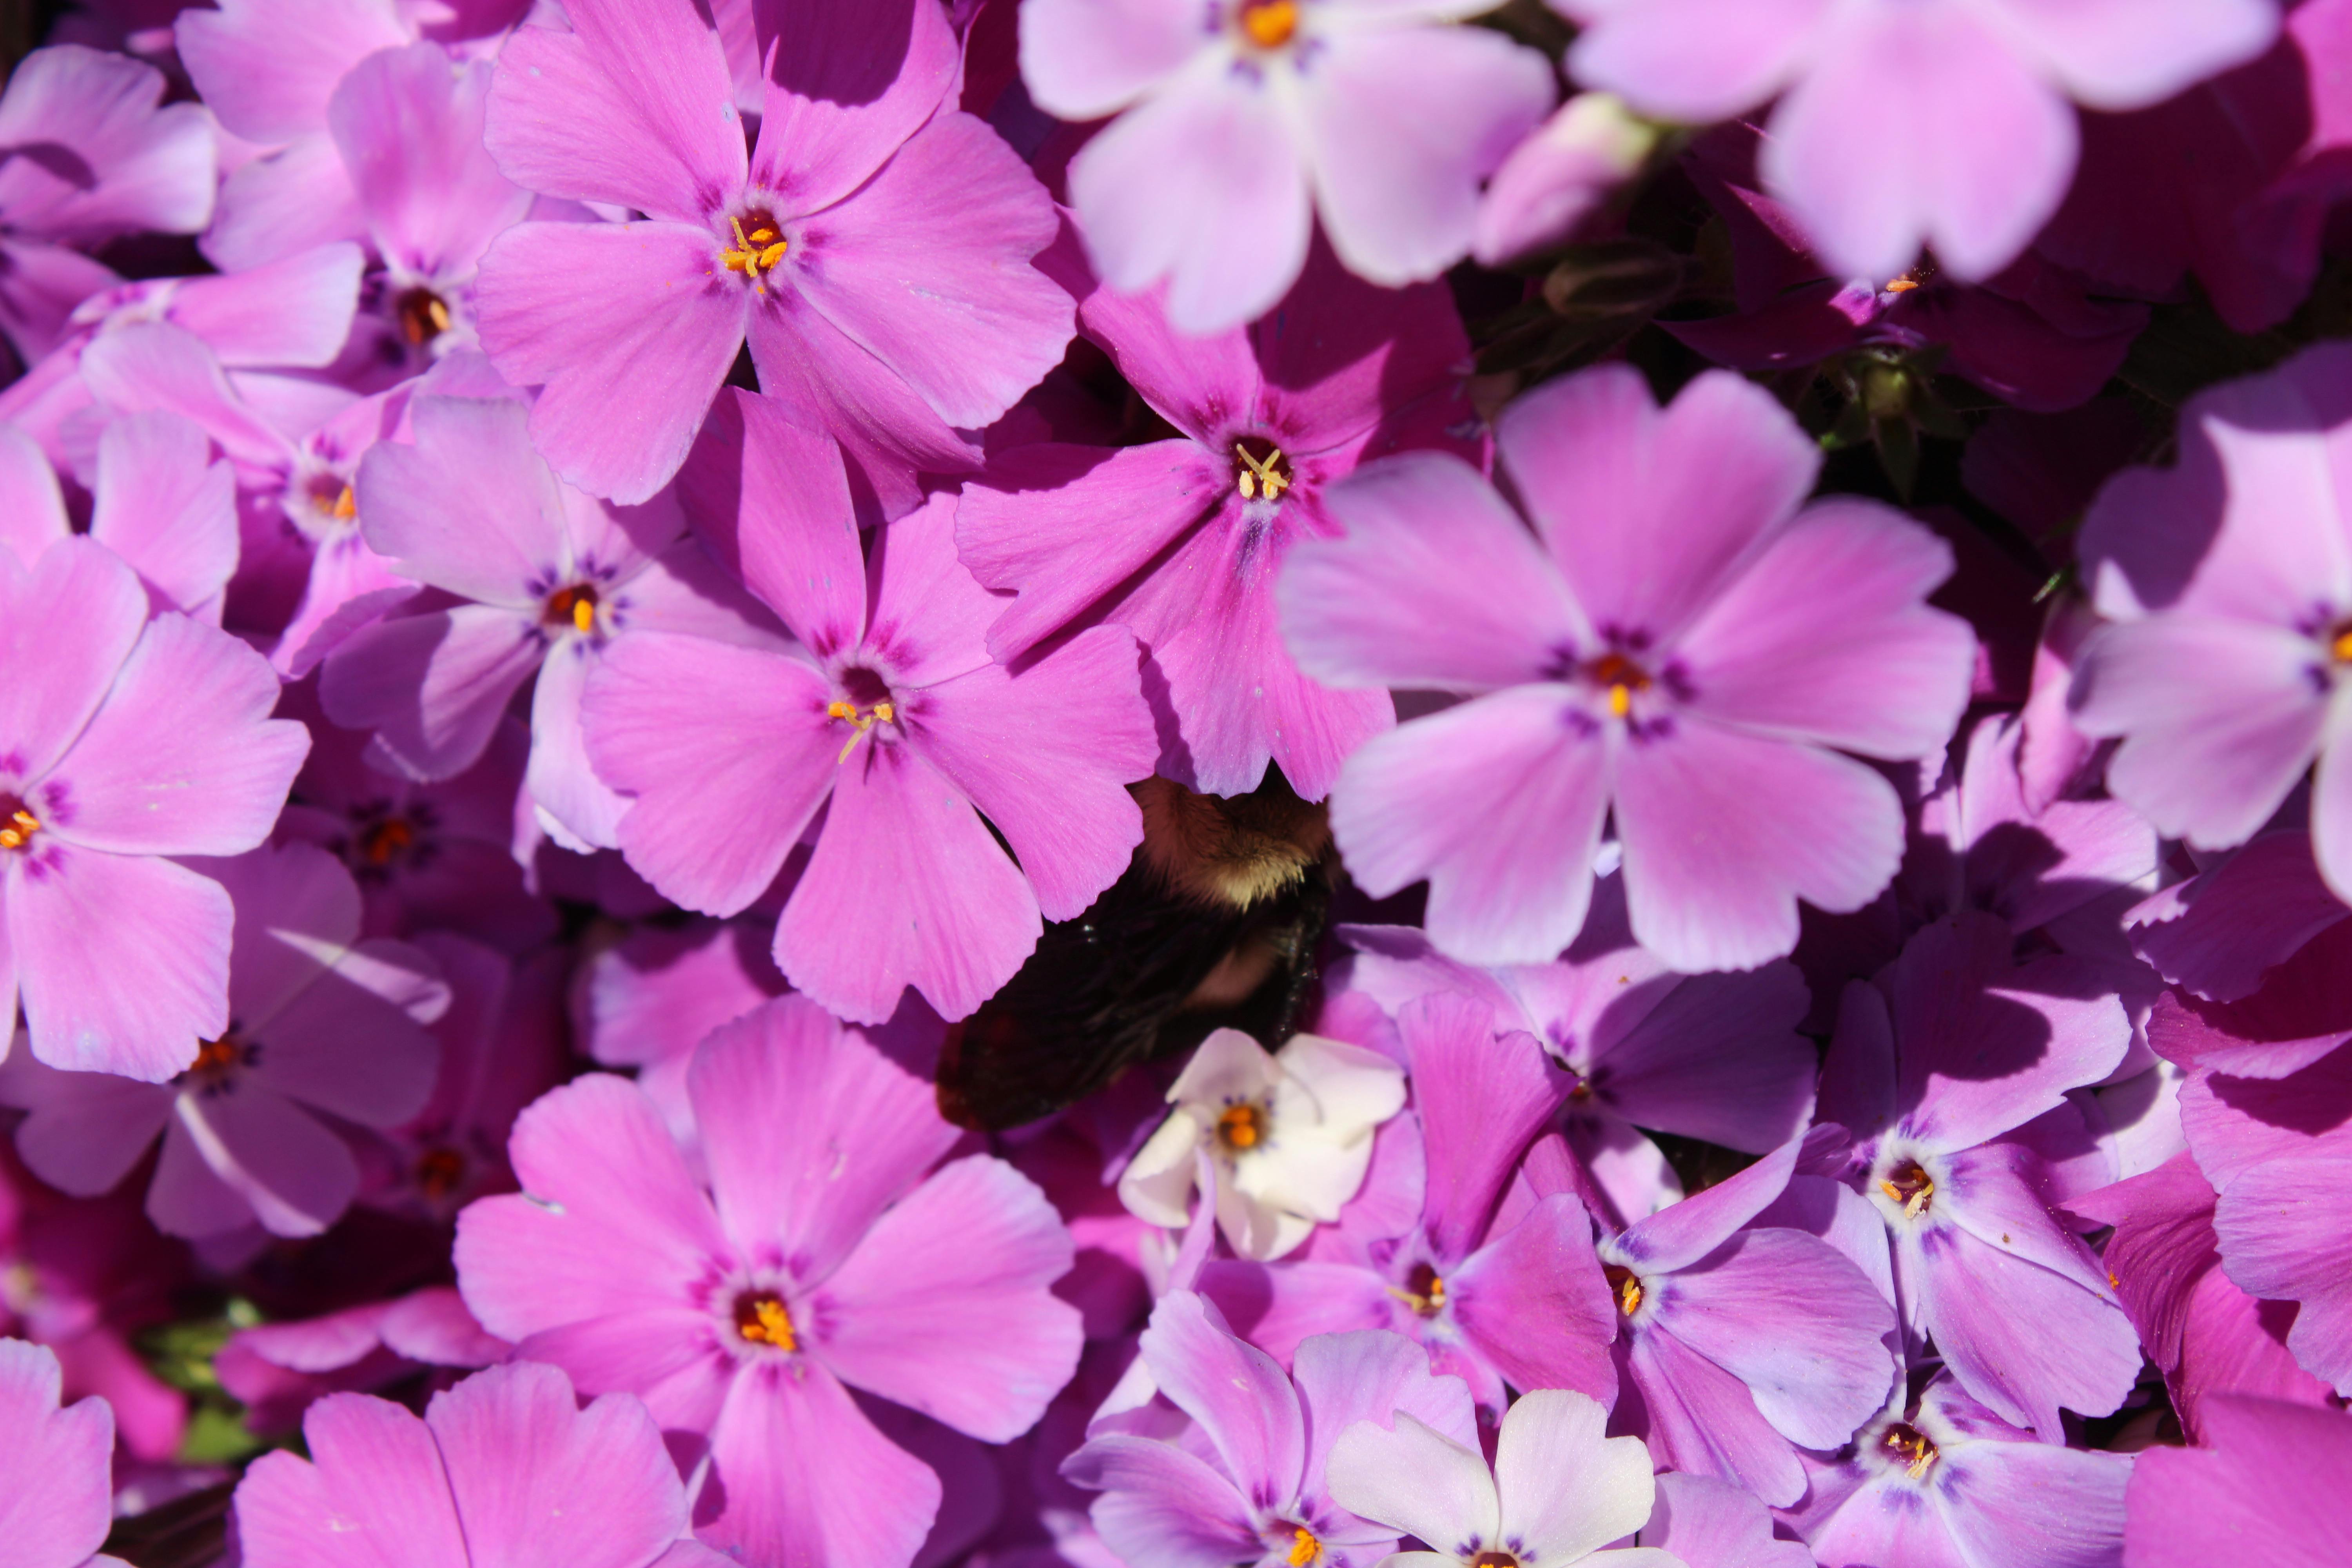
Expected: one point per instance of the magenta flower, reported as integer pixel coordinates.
(1713, 1056)
(124, 741)
(1270, 417)
(892, 332)
(1245, 1484)
(1740, 1345)
(162, 504)
(2229, 578)
(2258, 916)
(1937, 1070)
(91, 154)
(1245, 119)
(320, 1024)
(277, 1371)
(535, 578)
(890, 709)
(55, 1482)
(1677, 647)
(2268, 1487)
(647, 1000)
(1900, 125)
(828, 1252)
(506, 1468)
(1434, 1248)
(1948, 1481)
(2272, 1147)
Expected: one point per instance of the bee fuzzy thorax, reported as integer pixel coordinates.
(1232, 853)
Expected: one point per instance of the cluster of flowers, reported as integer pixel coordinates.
(582, 584)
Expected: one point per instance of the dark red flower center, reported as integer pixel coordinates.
(423, 315)
(760, 1318)
(17, 823)
(1260, 471)
(1909, 1184)
(574, 607)
(1626, 1286)
(1909, 1448)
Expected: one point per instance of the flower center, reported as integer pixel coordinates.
(2340, 647)
(1260, 471)
(575, 606)
(1621, 677)
(760, 1318)
(1910, 1186)
(1494, 1560)
(438, 1171)
(1269, 23)
(17, 825)
(1424, 1291)
(757, 249)
(331, 497)
(387, 838)
(1909, 1448)
(866, 701)
(217, 1061)
(1241, 1128)
(423, 316)
(1626, 1286)
(1304, 1548)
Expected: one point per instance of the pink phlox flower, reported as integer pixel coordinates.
(649, 999)
(277, 1371)
(1949, 124)
(1429, 1249)
(2033, 333)
(426, 856)
(2227, 578)
(1268, 418)
(55, 1465)
(533, 578)
(1942, 1478)
(1239, 123)
(321, 1025)
(505, 1467)
(894, 334)
(832, 1250)
(161, 502)
(891, 718)
(2258, 920)
(2265, 1483)
(1713, 1056)
(124, 741)
(1674, 647)
(88, 152)
(1244, 1482)
(1943, 1070)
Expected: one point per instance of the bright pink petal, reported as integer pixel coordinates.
(562, 783)
(1534, 1302)
(634, 107)
(669, 1357)
(122, 962)
(1826, 637)
(469, 507)
(770, 497)
(667, 719)
(539, 1480)
(2216, 935)
(1403, 124)
(434, 686)
(629, 338)
(2267, 1489)
(266, 68)
(1200, 186)
(771, 1092)
(1650, 511)
(56, 1508)
(39, 289)
(975, 1339)
(848, 86)
(68, 622)
(1034, 525)
(120, 162)
(1421, 802)
(2128, 54)
(605, 1183)
(410, 130)
(374, 1491)
(1695, 61)
(168, 509)
(2219, 719)
(289, 1171)
(907, 886)
(807, 1478)
(959, 312)
(1161, 1507)
(182, 758)
(31, 513)
(1047, 754)
(1436, 585)
(1725, 832)
(926, 617)
(275, 208)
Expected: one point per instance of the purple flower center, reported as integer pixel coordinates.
(218, 1062)
(17, 825)
(1908, 1447)
(1260, 471)
(1910, 1186)
(423, 315)
(1424, 1291)
(760, 1318)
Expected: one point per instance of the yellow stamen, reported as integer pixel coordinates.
(2342, 647)
(884, 711)
(1915, 1202)
(1241, 1127)
(1426, 1293)
(1620, 700)
(1269, 23)
(1256, 475)
(347, 506)
(765, 1322)
(1304, 1548)
(1901, 286)
(1629, 1295)
(584, 614)
(1916, 1452)
(756, 252)
(22, 825)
